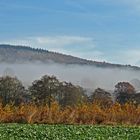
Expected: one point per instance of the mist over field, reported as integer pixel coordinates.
(89, 77)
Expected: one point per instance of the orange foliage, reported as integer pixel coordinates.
(83, 114)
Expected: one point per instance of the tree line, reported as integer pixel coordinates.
(48, 89)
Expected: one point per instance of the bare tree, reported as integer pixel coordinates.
(101, 96)
(11, 90)
(71, 95)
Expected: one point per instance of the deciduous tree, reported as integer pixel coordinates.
(11, 90)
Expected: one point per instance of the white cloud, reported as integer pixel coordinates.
(132, 56)
(17, 42)
(91, 55)
(61, 41)
(127, 56)
(84, 47)
(53, 41)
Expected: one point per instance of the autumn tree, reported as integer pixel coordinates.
(11, 90)
(101, 96)
(123, 90)
(45, 90)
(124, 87)
(71, 95)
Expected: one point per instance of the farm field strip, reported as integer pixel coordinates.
(67, 132)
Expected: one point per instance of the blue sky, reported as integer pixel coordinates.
(102, 30)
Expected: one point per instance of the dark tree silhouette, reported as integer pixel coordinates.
(71, 95)
(11, 90)
(123, 92)
(101, 96)
(45, 90)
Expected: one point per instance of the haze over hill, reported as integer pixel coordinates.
(29, 64)
(23, 54)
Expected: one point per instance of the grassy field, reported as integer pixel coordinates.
(67, 132)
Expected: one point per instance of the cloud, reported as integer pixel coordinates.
(52, 41)
(61, 41)
(127, 56)
(91, 55)
(80, 46)
(132, 56)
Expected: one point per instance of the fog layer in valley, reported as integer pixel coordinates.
(86, 76)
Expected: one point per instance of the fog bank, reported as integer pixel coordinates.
(89, 77)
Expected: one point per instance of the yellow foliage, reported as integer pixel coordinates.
(82, 114)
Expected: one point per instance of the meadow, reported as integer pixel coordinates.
(67, 132)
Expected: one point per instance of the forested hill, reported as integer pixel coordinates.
(23, 54)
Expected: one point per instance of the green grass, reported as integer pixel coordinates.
(67, 132)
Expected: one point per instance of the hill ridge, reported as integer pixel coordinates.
(20, 54)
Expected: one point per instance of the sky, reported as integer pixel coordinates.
(101, 30)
